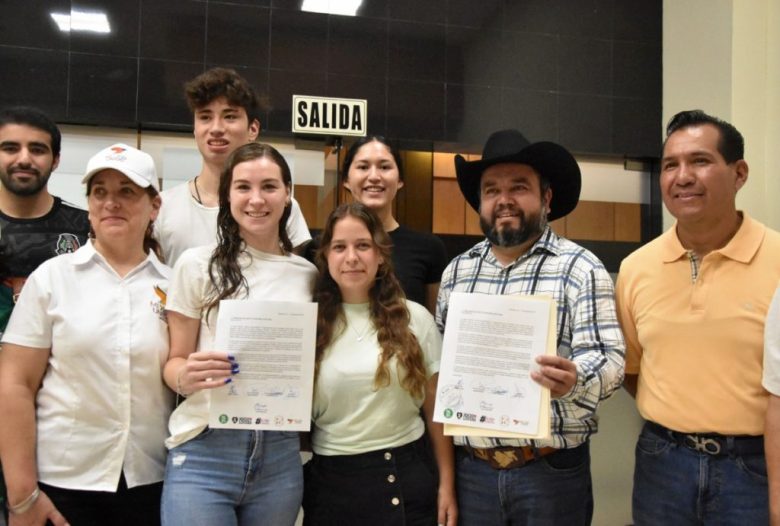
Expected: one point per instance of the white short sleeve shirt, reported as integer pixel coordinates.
(184, 223)
(268, 276)
(102, 406)
(771, 380)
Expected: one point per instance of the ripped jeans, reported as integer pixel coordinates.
(233, 478)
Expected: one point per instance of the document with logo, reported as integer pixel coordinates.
(490, 346)
(273, 342)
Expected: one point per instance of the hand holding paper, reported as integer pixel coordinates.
(556, 373)
(206, 370)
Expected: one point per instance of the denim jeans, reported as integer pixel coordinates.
(233, 477)
(675, 485)
(553, 490)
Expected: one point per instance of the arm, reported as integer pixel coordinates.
(431, 295)
(445, 458)
(21, 372)
(187, 371)
(630, 383)
(772, 449)
(628, 326)
(555, 373)
(597, 345)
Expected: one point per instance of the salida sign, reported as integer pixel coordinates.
(327, 116)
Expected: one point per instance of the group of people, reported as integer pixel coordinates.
(108, 357)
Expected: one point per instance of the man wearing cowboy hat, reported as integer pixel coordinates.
(693, 304)
(517, 187)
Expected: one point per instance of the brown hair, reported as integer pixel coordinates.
(388, 311)
(223, 82)
(224, 269)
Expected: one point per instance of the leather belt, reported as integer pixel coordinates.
(508, 457)
(711, 443)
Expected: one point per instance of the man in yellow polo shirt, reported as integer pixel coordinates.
(692, 304)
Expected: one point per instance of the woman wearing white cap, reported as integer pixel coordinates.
(81, 393)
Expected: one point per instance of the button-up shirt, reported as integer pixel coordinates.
(102, 407)
(587, 330)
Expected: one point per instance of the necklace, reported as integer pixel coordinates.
(197, 193)
(361, 334)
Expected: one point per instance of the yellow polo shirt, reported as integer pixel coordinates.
(698, 346)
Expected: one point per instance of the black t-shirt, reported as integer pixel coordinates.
(26, 243)
(419, 259)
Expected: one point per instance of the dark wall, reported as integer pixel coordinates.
(586, 73)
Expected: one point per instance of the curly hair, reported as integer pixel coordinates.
(223, 82)
(224, 269)
(387, 307)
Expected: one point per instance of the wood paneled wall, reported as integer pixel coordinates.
(591, 220)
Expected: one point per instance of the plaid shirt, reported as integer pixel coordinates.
(587, 329)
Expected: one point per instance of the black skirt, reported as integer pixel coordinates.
(388, 487)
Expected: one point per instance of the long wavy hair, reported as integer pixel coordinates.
(224, 269)
(388, 311)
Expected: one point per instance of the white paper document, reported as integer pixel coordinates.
(273, 342)
(489, 350)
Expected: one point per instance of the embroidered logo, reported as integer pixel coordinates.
(67, 243)
(118, 154)
(158, 307)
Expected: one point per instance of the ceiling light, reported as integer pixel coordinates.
(82, 21)
(332, 7)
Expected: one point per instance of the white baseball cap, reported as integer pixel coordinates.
(135, 164)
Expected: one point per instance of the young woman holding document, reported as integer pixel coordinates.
(229, 476)
(377, 360)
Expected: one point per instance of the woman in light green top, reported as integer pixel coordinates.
(377, 363)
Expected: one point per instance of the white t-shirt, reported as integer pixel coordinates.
(349, 415)
(771, 379)
(102, 406)
(184, 223)
(269, 277)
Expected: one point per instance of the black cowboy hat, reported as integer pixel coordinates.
(552, 161)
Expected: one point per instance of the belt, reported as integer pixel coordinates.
(711, 443)
(508, 457)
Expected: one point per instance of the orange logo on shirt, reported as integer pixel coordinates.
(159, 306)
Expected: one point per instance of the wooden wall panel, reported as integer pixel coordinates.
(307, 197)
(413, 207)
(559, 226)
(448, 207)
(594, 220)
(472, 220)
(444, 165)
(628, 222)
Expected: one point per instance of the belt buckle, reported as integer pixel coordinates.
(703, 444)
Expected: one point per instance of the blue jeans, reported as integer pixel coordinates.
(679, 486)
(553, 490)
(233, 477)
